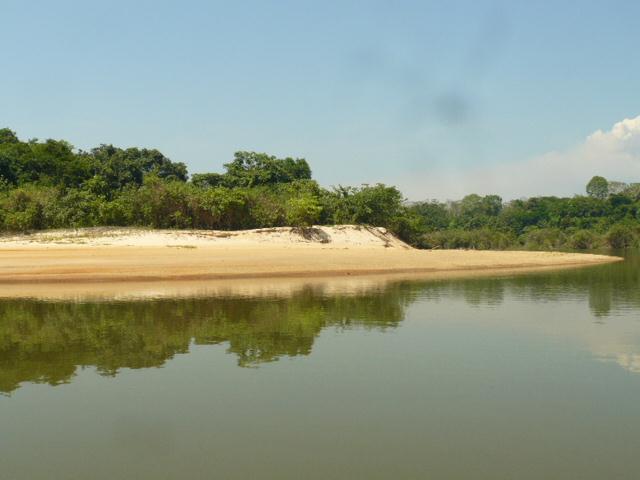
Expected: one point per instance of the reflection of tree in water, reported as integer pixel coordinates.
(606, 287)
(44, 342)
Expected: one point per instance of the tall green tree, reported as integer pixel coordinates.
(251, 169)
(598, 187)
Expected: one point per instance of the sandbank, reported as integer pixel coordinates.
(129, 260)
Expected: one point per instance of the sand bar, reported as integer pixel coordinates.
(98, 259)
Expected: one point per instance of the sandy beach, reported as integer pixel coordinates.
(96, 259)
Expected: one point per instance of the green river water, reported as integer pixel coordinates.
(523, 377)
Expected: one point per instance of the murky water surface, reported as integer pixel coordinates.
(526, 377)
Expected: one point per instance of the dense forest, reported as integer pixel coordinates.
(607, 217)
(49, 184)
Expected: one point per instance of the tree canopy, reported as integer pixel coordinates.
(49, 184)
(598, 187)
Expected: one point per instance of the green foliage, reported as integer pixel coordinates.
(376, 205)
(250, 169)
(539, 223)
(620, 236)
(118, 167)
(224, 208)
(204, 180)
(55, 163)
(583, 240)
(48, 184)
(409, 226)
(27, 208)
(480, 239)
(435, 215)
(8, 136)
(76, 208)
(543, 239)
(632, 191)
(598, 187)
(474, 211)
(303, 211)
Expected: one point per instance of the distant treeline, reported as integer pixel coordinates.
(601, 219)
(48, 184)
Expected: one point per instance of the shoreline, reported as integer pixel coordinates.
(84, 260)
(275, 286)
(60, 276)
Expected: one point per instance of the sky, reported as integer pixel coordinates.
(441, 99)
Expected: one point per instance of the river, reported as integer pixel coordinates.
(528, 377)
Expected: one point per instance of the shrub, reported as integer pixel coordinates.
(481, 239)
(28, 208)
(303, 211)
(409, 227)
(543, 239)
(77, 208)
(583, 240)
(266, 208)
(620, 236)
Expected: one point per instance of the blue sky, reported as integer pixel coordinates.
(415, 93)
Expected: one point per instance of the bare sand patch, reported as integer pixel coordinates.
(95, 260)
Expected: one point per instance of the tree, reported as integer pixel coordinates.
(378, 205)
(8, 136)
(632, 191)
(435, 216)
(251, 169)
(475, 211)
(120, 167)
(617, 187)
(598, 187)
(207, 180)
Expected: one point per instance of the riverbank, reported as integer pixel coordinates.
(80, 258)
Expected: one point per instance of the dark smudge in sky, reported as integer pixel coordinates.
(421, 98)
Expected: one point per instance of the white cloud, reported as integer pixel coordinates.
(614, 154)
